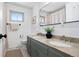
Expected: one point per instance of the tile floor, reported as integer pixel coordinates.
(14, 53)
(23, 49)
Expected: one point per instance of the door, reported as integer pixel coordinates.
(3, 41)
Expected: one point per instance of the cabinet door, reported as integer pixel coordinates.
(28, 45)
(34, 52)
(38, 49)
(42, 49)
(52, 52)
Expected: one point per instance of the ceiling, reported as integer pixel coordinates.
(25, 4)
(49, 7)
(52, 6)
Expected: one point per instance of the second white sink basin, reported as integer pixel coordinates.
(60, 44)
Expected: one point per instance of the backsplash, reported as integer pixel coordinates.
(71, 39)
(68, 29)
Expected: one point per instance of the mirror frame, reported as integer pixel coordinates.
(64, 22)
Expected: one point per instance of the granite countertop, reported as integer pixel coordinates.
(73, 50)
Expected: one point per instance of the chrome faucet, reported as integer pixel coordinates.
(65, 39)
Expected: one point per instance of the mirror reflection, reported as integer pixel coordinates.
(59, 13)
(52, 13)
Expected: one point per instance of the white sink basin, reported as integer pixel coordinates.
(60, 44)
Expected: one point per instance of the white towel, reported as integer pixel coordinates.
(14, 27)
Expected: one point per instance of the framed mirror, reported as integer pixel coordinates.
(60, 13)
(54, 13)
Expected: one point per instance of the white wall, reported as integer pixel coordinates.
(25, 29)
(35, 27)
(36, 9)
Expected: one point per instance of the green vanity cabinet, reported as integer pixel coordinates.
(52, 52)
(38, 49)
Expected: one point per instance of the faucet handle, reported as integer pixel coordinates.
(63, 37)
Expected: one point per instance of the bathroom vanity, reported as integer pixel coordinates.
(39, 46)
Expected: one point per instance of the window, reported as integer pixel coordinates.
(16, 16)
